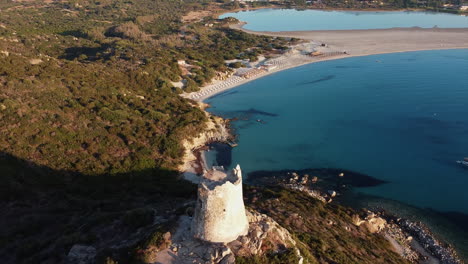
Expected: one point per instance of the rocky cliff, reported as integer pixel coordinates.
(216, 130)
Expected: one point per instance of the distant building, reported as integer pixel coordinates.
(464, 7)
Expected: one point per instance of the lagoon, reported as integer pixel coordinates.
(299, 20)
(401, 117)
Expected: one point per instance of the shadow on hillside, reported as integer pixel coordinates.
(45, 212)
(87, 53)
(74, 33)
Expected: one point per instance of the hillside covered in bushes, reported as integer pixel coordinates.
(87, 86)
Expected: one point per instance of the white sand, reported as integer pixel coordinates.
(354, 42)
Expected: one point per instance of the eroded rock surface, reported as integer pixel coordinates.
(264, 235)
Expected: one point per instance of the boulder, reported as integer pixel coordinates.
(305, 179)
(375, 224)
(372, 222)
(35, 61)
(295, 176)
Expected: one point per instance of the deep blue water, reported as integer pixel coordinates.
(295, 20)
(399, 117)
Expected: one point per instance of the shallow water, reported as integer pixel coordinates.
(402, 118)
(296, 20)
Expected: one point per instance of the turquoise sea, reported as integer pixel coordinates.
(297, 20)
(401, 117)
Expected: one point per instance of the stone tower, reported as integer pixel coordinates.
(220, 212)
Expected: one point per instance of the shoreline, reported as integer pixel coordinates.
(411, 238)
(356, 43)
(327, 8)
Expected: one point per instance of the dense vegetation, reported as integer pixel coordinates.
(86, 86)
(91, 124)
(324, 232)
(49, 213)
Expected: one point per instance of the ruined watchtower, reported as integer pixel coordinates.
(220, 212)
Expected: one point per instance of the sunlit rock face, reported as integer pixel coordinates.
(220, 213)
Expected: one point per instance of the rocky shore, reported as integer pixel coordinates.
(264, 235)
(411, 240)
(193, 163)
(443, 252)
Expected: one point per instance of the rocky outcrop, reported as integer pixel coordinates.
(295, 182)
(222, 229)
(220, 212)
(186, 249)
(371, 221)
(265, 234)
(216, 130)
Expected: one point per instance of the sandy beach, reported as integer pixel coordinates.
(378, 41)
(340, 44)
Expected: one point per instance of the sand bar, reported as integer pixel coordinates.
(353, 42)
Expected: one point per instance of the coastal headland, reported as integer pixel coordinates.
(317, 46)
(338, 44)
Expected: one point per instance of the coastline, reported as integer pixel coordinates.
(193, 162)
(356, 43)
(411, 238)
(327, 8)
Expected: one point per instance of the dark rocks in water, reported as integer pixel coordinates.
(327, 176)
(323, 79)
(457, 218)
(223, 153)
(253, 111)
(249, 115)
(356, 179)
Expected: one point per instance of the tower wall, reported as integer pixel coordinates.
(220, 212)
